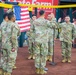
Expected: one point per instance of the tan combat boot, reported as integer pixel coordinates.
(42, 71)
(33, 57)
(6, 73)
(47, 58)
(30, 57)
(37, 70)
(1, 71)
(50, 58)
(69, 60)
(64, 60)
(14, 67)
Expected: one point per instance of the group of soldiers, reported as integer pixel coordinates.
(41, 39)
(9, 32)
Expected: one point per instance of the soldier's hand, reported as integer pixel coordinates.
(13, 49)
(52, 15)
(59, 20)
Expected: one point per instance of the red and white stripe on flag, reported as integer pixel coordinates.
(24, 23)
(5, 9)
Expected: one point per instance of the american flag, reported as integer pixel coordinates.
(22, 17)
(5, 9)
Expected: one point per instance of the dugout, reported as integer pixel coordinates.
(66, 11)
(1, 14)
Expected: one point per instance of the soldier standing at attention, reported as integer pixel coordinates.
(67, 31)
(2, 28)
(31, 38)
(9, 44)
(16, 34)
(51, 32)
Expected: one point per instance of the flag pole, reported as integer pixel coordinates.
(53, 62)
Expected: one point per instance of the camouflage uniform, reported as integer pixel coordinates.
(41, 41)
(52, 33)
(67, 32)
(31, 40)
(16, 34)
(9, 35)
(2, 24)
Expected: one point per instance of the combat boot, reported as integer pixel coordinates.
(33, 57)
(64, 60)
(69, 60)
(50, 58)
(4, 73)
(47, 58)
(42, 71)
(30, 57)
(45, 69)
(7, 73)
(37, 70)
(14, 67)
(1, 71)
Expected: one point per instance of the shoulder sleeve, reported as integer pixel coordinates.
(13, 36)
(73, 31)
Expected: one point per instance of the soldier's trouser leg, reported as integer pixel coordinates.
(5, 54)
(8, 60)
(1, 62)
(40, 61)
(41, 53)
(64, 49)
(68, 52)
(1, 59)
(50, 51)
(31, 49)
(14, 60)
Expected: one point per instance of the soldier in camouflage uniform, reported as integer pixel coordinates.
(4, 23)
(31, 38)
(67, 32)
(9, 34)
(8, 11)
(52, 33)
(41, 26)
(17, 34)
